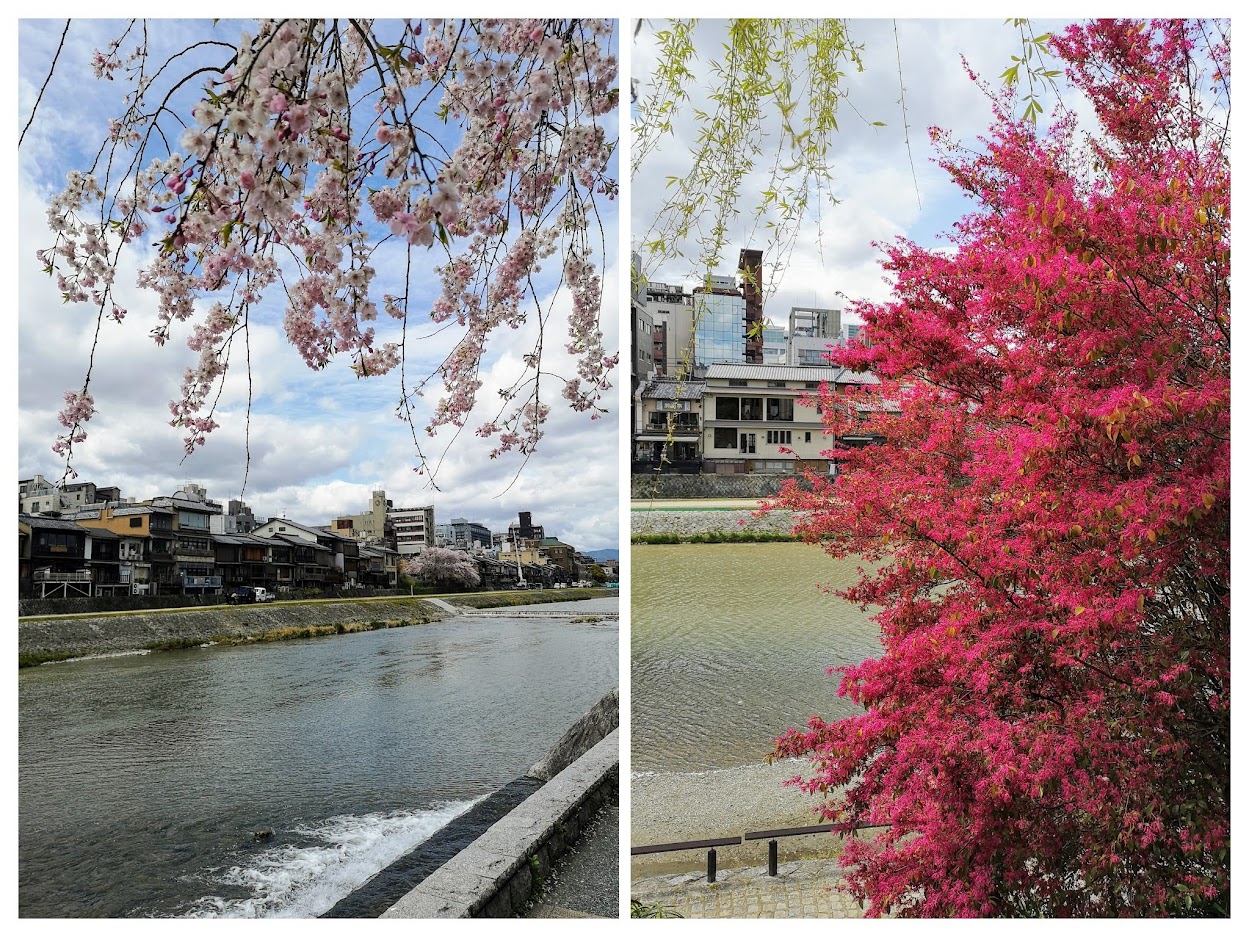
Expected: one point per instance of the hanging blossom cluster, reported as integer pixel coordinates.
(314, 142)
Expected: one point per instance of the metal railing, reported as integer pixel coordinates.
(708, 844)
(56, 575)
(772, 836)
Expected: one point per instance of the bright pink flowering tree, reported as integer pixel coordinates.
(1048, 728)
(315, 142)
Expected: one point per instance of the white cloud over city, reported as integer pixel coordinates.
(317, 443)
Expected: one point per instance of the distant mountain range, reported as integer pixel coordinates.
(603, 554)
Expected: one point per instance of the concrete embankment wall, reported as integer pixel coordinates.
(115, 633)
(499, 871)
(685, 523)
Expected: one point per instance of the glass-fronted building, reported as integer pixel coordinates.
(719, 328)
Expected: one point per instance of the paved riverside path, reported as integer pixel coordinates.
(586, 880)
(800, 889)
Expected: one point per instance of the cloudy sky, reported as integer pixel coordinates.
(879, 197)
(320, 442)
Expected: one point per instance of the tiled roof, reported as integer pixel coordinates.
(51, 523)
(672, 389)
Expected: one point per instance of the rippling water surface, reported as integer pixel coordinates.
(730, 643)
(143, 778)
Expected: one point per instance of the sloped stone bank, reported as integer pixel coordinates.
(57, 638)
(115, 633)
(686, 523)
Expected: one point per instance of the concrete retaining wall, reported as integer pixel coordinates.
(685, 523)
(497, 874)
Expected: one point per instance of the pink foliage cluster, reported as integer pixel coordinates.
(1048, 730)
(438, 564)
(310, 145)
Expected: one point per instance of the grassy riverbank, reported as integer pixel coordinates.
(197, 627)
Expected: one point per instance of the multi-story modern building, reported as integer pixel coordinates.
(756, 420)
(237, 519)
(525, 529)
(414, 528)
(560, 555)
(774, 345)
(719, 332)
(728, 317)
(462, 534)
(642, 323)
(811, 332)
(373, 526)
(853, 331)
(672, 316)
(37, 495)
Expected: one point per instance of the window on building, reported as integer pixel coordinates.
(781, 408)
(747, 443)
(734, 382)
(136, 522)
(725, 439)
(808, 436)
(780, 437)
(811, 385)
(776, 383)
(752, 408)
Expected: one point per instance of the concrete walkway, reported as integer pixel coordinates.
(800, 889)
(585, 882)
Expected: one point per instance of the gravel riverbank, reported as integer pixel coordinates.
(669, 807)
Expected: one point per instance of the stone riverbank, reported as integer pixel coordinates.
(691, 521)
(60, 637)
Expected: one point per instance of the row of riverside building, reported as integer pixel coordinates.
(82, 540)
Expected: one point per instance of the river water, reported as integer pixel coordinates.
(730, 647)
(143, 778)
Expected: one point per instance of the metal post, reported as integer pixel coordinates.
(772, 857)
(711, 865)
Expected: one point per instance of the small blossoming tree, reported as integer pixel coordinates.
(438, 564)
(312, 149)
(1048, 521)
